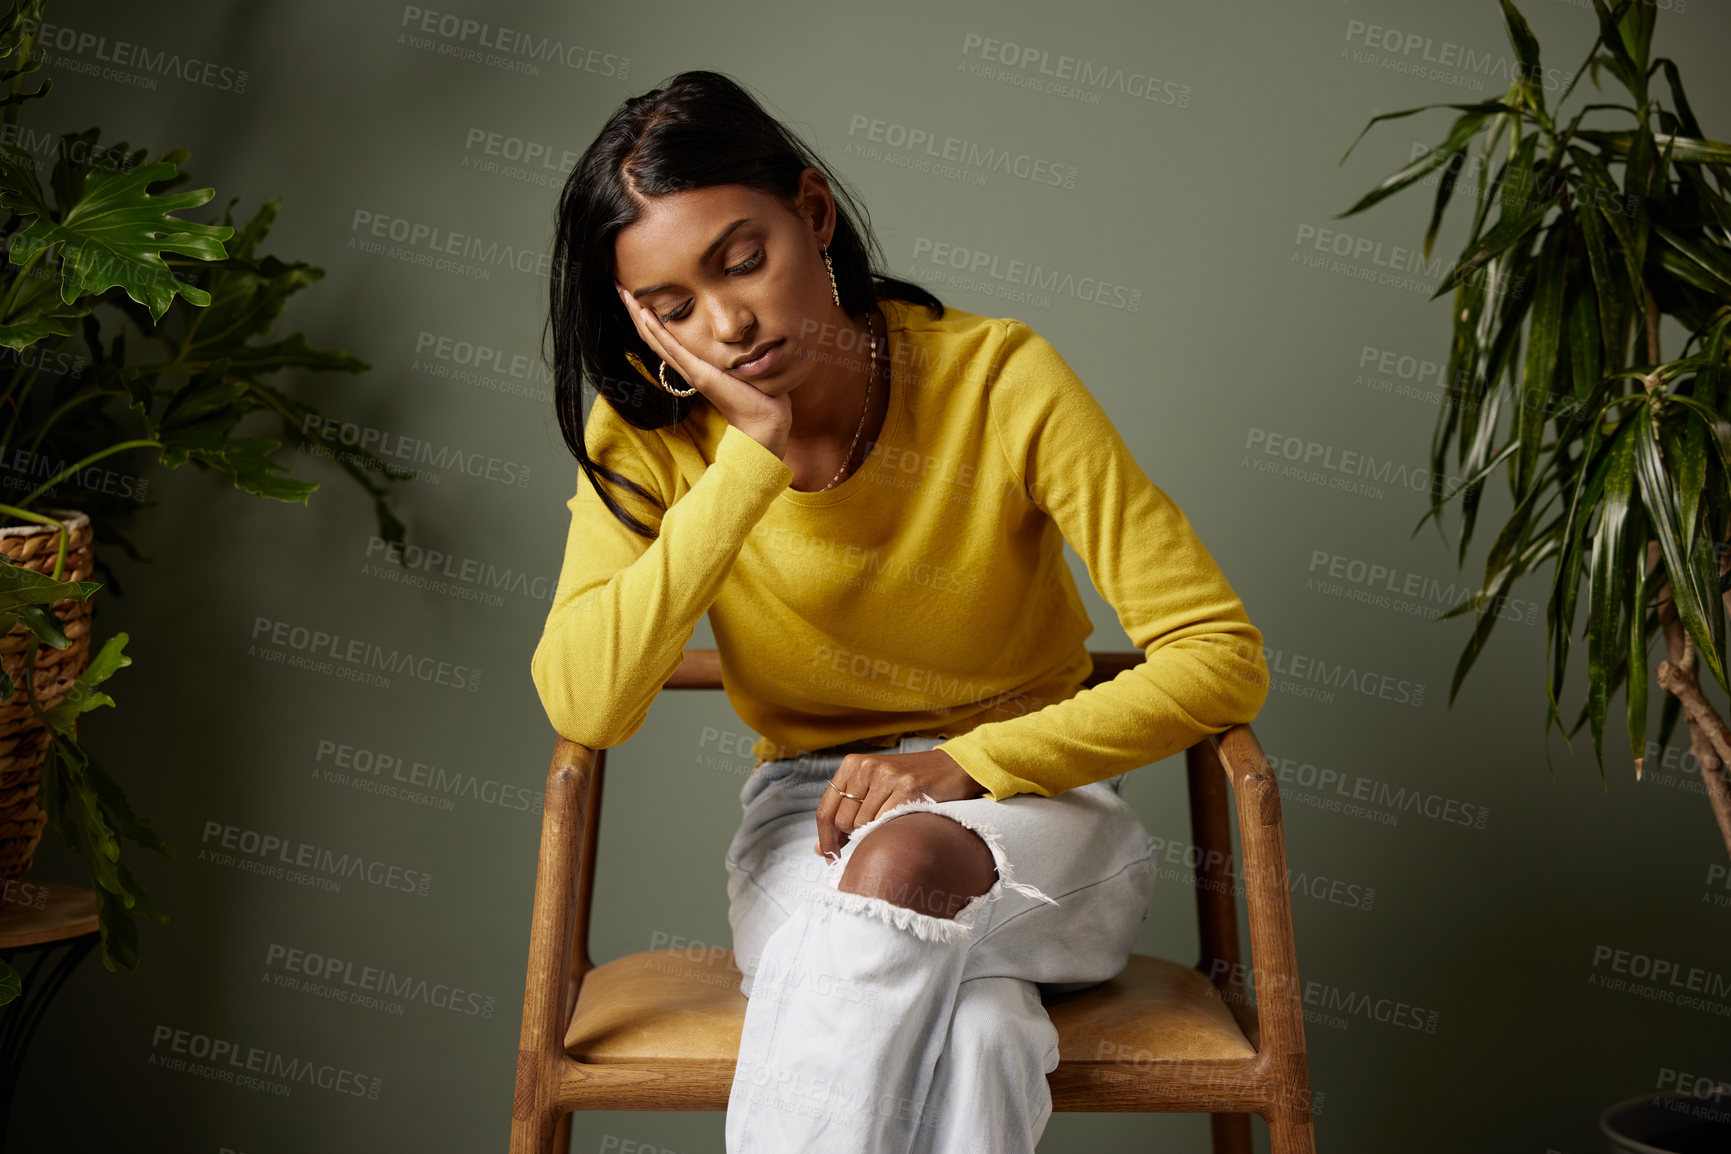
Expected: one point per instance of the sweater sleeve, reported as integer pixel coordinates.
(626, 606)
(1205, 669)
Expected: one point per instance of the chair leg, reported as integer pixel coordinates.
(562, 1135)
(1291, 1134)
(533, 1135)
(1231, 1134)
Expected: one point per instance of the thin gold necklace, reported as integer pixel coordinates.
(864, 409)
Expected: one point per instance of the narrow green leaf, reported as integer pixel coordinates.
(1464, 129)
(1685, 114)
(1540, 372)
(1685, 451)
(1581, 335)
(1694, 604)
(1617, 58)
(1636, 560)
(1526, 47)
(1483, 107)
(1605, 595)
(1610, 289)
(1503, 237)
(1715, 266)
(1684, 149)
(1444, 190)
(1487, 602)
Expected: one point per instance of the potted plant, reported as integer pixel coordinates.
(83, 413)
(1618, 460)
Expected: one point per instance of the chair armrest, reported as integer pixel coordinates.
(558, 930)
(1273, 950)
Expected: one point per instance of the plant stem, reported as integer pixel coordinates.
(73, 468)
(1702, 719)
(55, 416)
(43, 519)
(18, 280)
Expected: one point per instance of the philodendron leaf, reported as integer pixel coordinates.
(195, 424)
(119, 931)
(126, 822)
(83, 694)
(39, 323)
(10, 983)
(20, 585)
(246, 459)
(115, 235)
(40, 621)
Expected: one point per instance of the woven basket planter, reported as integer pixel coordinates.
(24, 739)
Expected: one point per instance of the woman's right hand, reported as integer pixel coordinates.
(763, 418)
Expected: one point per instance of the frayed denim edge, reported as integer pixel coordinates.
(926, 927)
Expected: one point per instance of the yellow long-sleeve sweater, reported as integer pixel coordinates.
(926, 593)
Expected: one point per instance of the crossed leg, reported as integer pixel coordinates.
(989, 1093)
(924, 861)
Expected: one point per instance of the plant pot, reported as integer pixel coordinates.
(1670, 1123)
(24, 739)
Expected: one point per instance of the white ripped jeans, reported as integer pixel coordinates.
(872, 1028)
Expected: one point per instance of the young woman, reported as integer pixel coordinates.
(869, 495)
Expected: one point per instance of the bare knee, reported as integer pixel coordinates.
(923, 861)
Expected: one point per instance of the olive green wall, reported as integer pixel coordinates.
(1457, 902)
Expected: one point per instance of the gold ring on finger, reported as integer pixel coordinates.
(844, 792)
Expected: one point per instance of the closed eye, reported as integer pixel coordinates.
(739, 269)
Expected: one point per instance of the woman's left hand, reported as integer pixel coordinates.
(885, 780)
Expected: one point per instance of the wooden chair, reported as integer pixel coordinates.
(660, 1030)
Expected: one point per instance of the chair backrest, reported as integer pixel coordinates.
(1230, 761)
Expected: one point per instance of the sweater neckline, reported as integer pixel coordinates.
(892, 427)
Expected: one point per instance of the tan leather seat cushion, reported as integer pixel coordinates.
(673, 1005)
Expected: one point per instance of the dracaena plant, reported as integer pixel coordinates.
(1587, 234)
(103, 240)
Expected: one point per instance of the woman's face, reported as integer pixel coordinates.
(729, 269)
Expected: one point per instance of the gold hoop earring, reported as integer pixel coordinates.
(662, 374)
(833, 291)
